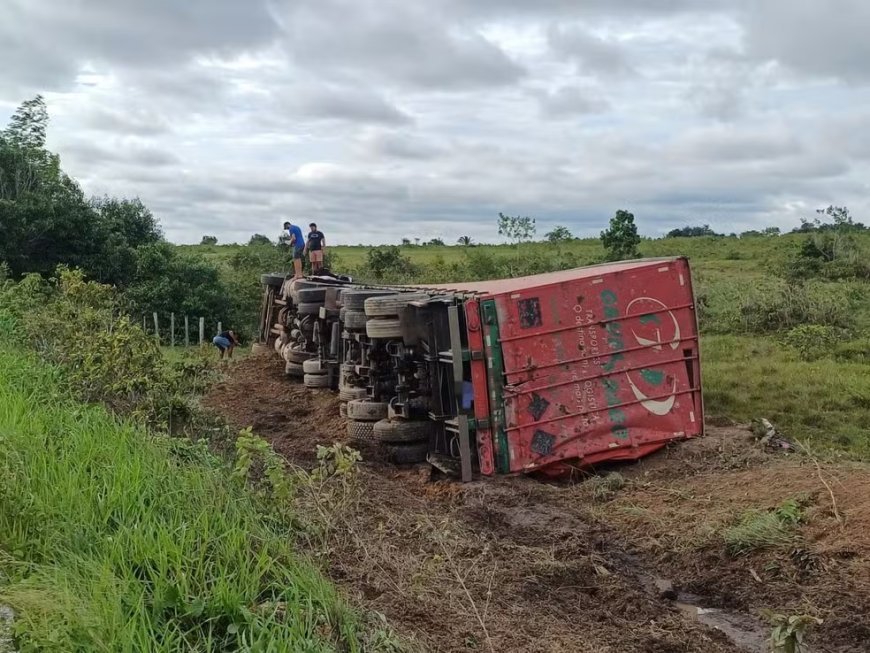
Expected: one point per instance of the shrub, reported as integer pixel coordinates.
(388, 263)
(788, 306)
(813, 341)
(620, 240)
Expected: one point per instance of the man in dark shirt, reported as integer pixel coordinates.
(315, 246)
(226, 341)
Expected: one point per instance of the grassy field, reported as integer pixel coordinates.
(115, 540)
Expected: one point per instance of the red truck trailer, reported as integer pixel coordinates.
(542, 373)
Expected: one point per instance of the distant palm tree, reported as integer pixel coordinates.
(464, 240)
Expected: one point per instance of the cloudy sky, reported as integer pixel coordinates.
(384, 119)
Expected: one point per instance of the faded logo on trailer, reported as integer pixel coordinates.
(656, 327)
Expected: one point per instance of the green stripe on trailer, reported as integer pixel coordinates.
(496, 385)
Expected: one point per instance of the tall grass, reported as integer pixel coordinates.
(112, 541)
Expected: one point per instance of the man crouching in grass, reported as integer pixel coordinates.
(226, 341)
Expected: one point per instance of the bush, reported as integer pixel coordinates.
(814, 341)
(788, 306)
(388, 263)
(757, 529)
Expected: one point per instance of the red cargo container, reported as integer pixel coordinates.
(582, 366)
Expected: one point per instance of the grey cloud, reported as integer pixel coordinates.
(572, 102)
(343, 103)
(399, 145)
(396, 42)
(593, 55)
(826, 39)
(127, 151)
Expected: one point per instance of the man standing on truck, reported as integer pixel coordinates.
(316, 248)
(297, 242)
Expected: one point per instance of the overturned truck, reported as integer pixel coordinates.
(544, 373)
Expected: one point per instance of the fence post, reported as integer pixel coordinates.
(156, 327)
(172, 329)
(145, 323)
(201, 330)
(186, 332)
(220, 327)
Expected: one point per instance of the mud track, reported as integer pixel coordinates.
(515, 564)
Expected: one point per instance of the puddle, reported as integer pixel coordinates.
(744, 631)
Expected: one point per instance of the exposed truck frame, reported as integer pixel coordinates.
(543, 373)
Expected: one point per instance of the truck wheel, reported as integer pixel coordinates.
(316, 380)
(349, 394)
(355, 300)
(308, 308)
(404, 454)
(363, 432)
(274, 279)
(401, 431)
(313, 366)
(299, 356)
(384, 327)
(294, 370)
(313, 295)
(391, 305)
(354, 320)
(278, 345)
(364, 410)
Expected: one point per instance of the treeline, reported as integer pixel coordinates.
(46, 221)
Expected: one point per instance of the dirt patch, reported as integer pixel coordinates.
(513, 564)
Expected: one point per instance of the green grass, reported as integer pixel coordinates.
(825, 403)
(759, 529)
(114, 540)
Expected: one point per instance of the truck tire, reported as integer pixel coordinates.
(391, 305)
(294, 370)
(278, 346)
(299, 356)
(363, 410)
(384, 327)
(362, 432)
(312, 295)
(355, 320)
(308, 308)
(349, 394)
(316, 380)
(275, 279)
(355, 300)
(403, 431)
(405, 454)
(313, 366)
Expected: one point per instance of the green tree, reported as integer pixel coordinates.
(691, 232)
(209, 240)
(388, 261)
(516, 228)
(621, 239)
(406, 242)
(28, 125)
(559, 234)
(435, 242)
(259, 239)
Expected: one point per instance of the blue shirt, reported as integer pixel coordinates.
(294, 230)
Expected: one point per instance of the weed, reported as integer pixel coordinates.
(789, 631)
(758, 529)
(605, 487)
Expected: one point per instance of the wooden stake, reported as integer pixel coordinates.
(201, 330)
(156, 327)
(186, 332)
(172, 329)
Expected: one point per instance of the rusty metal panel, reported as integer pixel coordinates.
(474, 328)
(601, 366)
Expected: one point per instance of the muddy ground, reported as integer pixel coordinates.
(516, 564)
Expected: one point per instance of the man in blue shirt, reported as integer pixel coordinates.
(297, 242)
